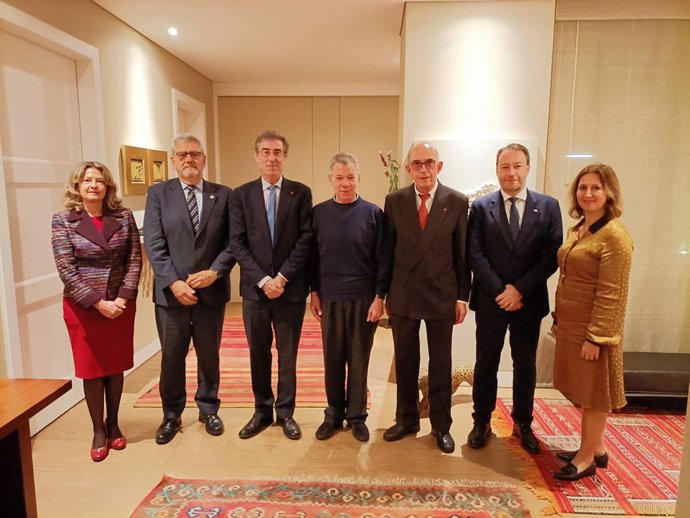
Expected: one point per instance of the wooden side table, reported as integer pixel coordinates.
(21, 399)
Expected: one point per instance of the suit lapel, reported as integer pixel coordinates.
(209, 202)
(437, 215)
(287, 197)
(498, 212)
(86, 229)
(179, 198)
(111, 223)
(529, 217)
(258, 204)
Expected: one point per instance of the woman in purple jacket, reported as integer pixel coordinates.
(98, 257)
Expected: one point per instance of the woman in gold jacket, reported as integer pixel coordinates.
(591, 297)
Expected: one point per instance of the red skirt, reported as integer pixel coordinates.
(100, 346)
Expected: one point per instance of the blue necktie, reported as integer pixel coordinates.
(514, 219)
(271, 211)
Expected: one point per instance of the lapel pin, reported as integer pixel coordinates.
(212, 196)
(445, 209)
(292, 193)
(535, 210)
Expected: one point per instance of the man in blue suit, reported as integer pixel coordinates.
(186, 234)
(271, 238)
(513, 236)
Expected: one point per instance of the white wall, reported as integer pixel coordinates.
(477, 71)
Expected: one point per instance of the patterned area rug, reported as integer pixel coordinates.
(178, 498)
(235, 377)
(645, 450)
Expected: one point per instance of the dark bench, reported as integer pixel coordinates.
(653, 378)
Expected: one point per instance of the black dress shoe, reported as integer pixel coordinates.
(290, 428)
(214, 424)
(444, 441)
(479, 435)
(398, 431)
(527, 438)
(256, 424)
(327, 430)
(569, 472)
(360, 431)
(168, 429)
(602, 461)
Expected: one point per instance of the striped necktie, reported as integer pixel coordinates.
(193, 207)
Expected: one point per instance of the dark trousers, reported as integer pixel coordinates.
(176, 327)
(524, 338)
(261, 320)
(406, 343)
(347, 342)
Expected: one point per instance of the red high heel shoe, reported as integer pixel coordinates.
(99, 454)
(119, 443)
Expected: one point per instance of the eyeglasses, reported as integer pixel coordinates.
(182, 155)
(265, 152)
(417, 164)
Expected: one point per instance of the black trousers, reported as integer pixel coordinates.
(406, 343)
(347, 342)
(524, 338)
(261, 320)
(176, 327)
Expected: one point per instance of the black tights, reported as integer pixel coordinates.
(94, 391)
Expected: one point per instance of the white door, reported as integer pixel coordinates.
(40, 142)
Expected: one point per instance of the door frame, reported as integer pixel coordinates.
(88, 78)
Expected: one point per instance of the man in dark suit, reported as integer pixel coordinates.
(430, 282)
(271, 239)
(513, 237)
(186, 234)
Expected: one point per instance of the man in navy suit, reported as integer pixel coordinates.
(186, 234)
(513, 236)
(271, 239)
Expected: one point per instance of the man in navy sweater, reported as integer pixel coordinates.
(349, 274)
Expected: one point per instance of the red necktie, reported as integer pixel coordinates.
(423, 212)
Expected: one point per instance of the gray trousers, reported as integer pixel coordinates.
(347, 342)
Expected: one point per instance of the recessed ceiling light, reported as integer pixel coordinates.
(172, 31)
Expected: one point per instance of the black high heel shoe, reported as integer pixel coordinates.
(569, 472)
(602, 461)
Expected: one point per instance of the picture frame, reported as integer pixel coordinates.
(157, 166)
(134, 170)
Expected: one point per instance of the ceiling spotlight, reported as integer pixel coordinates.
(172, 31)
(578, 155)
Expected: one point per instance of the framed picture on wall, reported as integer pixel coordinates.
(157, 166)
(133, 170)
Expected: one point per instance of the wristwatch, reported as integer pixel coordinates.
(216, 273)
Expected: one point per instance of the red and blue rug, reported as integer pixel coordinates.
(644, 447)
(183, 498)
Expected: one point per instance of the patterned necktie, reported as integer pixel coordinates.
(514, 219)
(423, 211)
(193, 207)
(271, 211)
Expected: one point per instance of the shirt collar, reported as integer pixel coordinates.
(199, 186)
(265, 184)
(522, 195)
(350, 203)
(432, 192)
(598, 224)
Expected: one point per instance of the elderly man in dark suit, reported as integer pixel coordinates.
(271, 239)
(430, 282)
(513, 237)
(186, 234)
